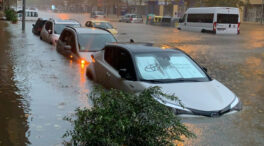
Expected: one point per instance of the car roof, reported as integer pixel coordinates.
(84, 30)
(59, 21)
(99, 21)
(143, 48)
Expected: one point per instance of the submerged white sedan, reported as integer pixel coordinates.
(134, 67)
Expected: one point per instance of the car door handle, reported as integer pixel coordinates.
(108, 74)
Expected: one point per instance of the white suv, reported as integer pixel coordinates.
(52, 29)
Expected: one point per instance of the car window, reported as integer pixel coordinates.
(227, 18)
(109, 55)
(120, 59)
(89, 24)
(72, 42)
(104, 25)
(48, 26)
(58, 28)
(94, 42)
(63, 36)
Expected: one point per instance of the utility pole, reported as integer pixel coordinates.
(24, 15)
(262, 15)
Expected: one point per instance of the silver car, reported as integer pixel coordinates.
(80, 43)
(134, 67)
(131, 18)
(52, 29)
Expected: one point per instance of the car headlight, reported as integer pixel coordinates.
(236, 105)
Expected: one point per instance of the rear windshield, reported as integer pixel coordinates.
(99, 13)
(59, 27)
(227, 18)
(94, 42)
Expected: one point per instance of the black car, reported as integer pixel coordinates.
(38, 26)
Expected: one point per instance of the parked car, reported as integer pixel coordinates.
(135, 67)
(218, 20)
(98, 15)
(80, 43)
(37, 27)
(52, 29)
(102, 24)
(131, 18)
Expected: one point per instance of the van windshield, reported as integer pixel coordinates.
(227, 18)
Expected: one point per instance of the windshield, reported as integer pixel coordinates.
(104, 25)
(99, 13)
(94, 42)
(168, 67)
(59, 27)
(227, 18)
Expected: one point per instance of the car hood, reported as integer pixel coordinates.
(203, 96)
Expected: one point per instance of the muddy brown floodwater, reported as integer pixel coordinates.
(39, 86)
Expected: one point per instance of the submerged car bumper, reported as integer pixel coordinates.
(234, 107)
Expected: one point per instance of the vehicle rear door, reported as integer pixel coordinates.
(227, 23)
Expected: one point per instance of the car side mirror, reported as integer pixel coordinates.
(205, 69)
(49, 31)
(33, 25)
(122, 72)
(67, 47)
(132, 41)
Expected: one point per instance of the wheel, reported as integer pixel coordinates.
(40, 38)
(203, 31)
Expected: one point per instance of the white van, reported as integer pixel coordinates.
(31, 15)
(219, 20)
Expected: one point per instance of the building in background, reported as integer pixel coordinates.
(254, 11)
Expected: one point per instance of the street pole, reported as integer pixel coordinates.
(24, 15)
(262, 15)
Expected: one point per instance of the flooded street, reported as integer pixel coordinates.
(39, 86)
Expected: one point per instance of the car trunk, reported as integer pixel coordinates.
(227, 23)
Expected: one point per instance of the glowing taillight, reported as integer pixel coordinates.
(71, 56)
(82, 61)
(214, 27)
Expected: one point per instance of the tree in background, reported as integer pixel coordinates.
(223, 3)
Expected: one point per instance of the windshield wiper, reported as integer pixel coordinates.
(171, 80)
(153, 81)
(183, 80)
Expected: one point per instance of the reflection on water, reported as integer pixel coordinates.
(254, 68)
(194, 129)
(257, 39)
(13, 117)
(63, 16)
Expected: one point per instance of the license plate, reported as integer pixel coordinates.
(221, 29)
